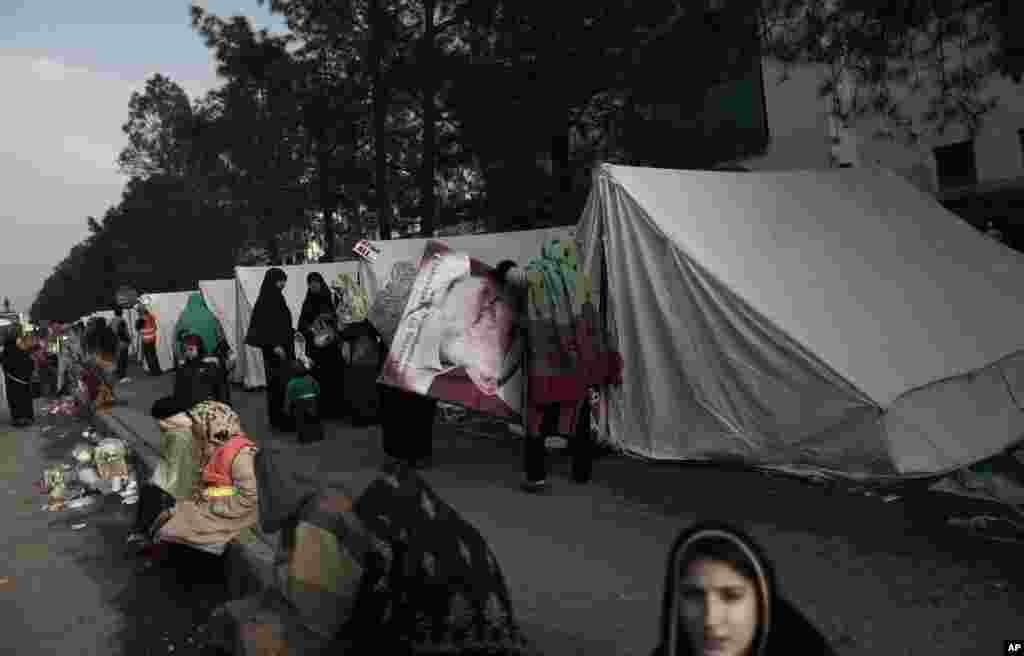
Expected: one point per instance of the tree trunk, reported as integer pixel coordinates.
(274, 250)
(428, 76)
(561, 173)
(327, 204)
(380, 115)
(561, 176)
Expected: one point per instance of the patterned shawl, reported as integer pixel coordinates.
(213, 424)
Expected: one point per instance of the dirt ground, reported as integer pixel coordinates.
(585, 563)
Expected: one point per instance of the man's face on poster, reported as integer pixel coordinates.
(478, 329)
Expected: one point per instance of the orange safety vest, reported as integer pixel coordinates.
(217, 473)
(149, 329)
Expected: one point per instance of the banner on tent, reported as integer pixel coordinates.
(389, 305)
(458, 338)
(350, 298)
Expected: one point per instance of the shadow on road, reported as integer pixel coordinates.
(165, 609)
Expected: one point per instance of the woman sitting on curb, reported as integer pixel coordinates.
(224, 497)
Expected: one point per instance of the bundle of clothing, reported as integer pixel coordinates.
(569, 352)
(379, 563)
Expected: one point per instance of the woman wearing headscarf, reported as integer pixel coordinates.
(721, 598)
(99, 371)
(223, 500)
(271, 331)
(17, 364)
(196, 319)
(317, 321)
(72, 355)
(200, 377)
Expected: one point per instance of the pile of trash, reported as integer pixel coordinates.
(96, 469)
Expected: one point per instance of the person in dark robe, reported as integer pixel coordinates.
(721, 597)
(199, 378)
(329, 366)
(271, 331)
(18, 367)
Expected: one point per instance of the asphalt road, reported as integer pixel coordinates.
(74, 591)
(584, 563)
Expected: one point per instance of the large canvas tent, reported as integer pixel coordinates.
(839, 321)
(221, 297)
(249, 280)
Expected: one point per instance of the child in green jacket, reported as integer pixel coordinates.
(302, 400)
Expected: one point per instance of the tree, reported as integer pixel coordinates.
(159, 121)
(878, 54)
(261, 120)
(334, 102)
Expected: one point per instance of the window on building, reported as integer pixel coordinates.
(955, 165)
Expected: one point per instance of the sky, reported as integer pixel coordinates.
(68, 69)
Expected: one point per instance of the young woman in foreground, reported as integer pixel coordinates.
(721, 600)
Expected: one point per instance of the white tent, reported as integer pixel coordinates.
(520, 247)
(249, 279)
(168, 308)
(221, 297)
(837, 320)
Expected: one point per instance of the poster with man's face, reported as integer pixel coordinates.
(458, 339)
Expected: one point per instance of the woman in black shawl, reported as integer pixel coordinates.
(17, 365)
(271, 331)
(329, 366)
(721, 597)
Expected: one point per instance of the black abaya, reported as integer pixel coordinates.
(278, 370)
(19, 400)
(407, 423)
(329, 369)
(271, 328)
(18, 368)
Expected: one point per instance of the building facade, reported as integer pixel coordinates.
(804, 136)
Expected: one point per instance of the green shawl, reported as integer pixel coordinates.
(196, 319)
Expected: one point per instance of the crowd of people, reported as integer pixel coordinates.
(417, 577)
